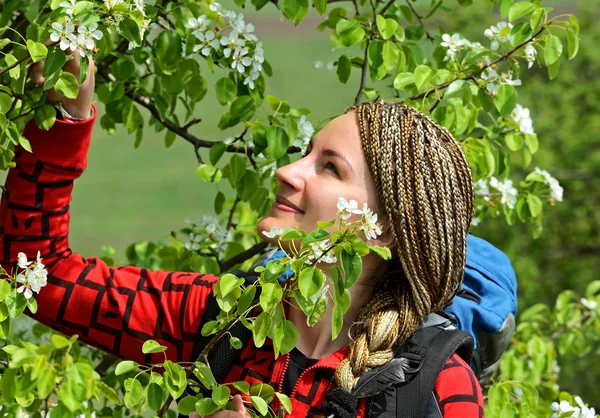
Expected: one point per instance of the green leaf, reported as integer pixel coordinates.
(186, 405)
(310, 281)
(383, 252)
(132, 117)
(235, 343)
(242, 386)
(260, 328)
(237, 164)
(553, 49)
(403, 80)
(285, 402)
(314, 236)
(59, 341)
(206, 407)
(8, 385)
(67, 85)
(278, 142)
(152, 346)
(518, 10)
(108, 392)
(4, 291)
(390, 54)
(167, 48)
(277, 105)
(519, 33)
(270, 296)
(45, 116)
(241, 109)
(260, 405)
(386, 27)
(209, 173)
(196, 88)
(46, 382)
(291, 234)
(11, 60)
(285, 337)
(337, 321)
(131, 31)
(246, 299)
(536, 18)
(226, 90)
(170, 138)
(37, 50)
(572, 43)
(535, 205)
(344, 67)
(204, 374)
(514, 142)
(504, 7)
(5, 103)
(574, 24)
(553, 70)
(125, 366)
(134, 393)
(220, 395)
(349, 31)
(505, 100)
(321, 6)
(423, 74)
(216, 152)
(247, 186)
(295, 10)
(227, 283)
(352, 265)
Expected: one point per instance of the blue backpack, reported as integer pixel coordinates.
(485, 306)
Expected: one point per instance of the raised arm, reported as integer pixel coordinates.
(115, 309)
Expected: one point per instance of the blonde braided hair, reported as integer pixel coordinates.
(425, 187)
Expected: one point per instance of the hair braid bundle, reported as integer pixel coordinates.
(424, 184)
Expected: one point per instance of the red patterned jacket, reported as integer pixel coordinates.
(117, 309)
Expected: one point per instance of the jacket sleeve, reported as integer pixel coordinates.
(114, 309)
(457, 390)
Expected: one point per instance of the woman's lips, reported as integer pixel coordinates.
(285, 205)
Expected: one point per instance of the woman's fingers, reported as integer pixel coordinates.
(238, 406)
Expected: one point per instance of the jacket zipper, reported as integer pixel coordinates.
(281, 410)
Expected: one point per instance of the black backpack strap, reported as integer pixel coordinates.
(427, 350)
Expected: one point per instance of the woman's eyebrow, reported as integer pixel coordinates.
(332, 153)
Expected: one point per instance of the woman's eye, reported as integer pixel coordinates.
(331, 167)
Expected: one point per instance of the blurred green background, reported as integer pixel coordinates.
(131, 194)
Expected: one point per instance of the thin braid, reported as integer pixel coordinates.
(425, 188)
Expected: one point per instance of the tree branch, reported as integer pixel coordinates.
(230, 220)
(420, 20)
(243, 256)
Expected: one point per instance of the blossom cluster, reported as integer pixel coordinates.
(85, 39)
(455, 43)
(369, 224)
(212, 233)
(556, 190)
(305, 133)
(565, 409)
(592, 305)
(507, 192)
(240, 46)
(495, 80)
(33, 275)
(521, 116)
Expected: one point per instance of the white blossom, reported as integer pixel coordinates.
(371, 227)
(62, 34)
(317, 250)
(22, 261)
(475, 221)
(274, 232)
(592, 305)
(78, 43)
(305, 133)
(481, 188)
(321, 294)
(564, 407)
(197, 25)
(498, 33)
(33, 278)
(347, 208)
(495, 80)
(68, 5)
(90, 34)
(530, 54)
(241, 60)
(556, 190)
(522, 117)
(192, 222)
(139, 5)
(252, 77)
(586, 412)
(194, 243)
(508, 192)
(208, 42)
(319, 64)
(112, 3)
(330, 66)
(216, 7)
(454, 43)
(232, 42)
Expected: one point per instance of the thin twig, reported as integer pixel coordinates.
(230, 220)
(363, 73)
(356, 10)
(191, 123)
(10, 67)
(420, 20)
(243, 256)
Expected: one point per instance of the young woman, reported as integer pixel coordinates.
(388, 155)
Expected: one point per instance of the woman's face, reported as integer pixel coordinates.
(309, 188)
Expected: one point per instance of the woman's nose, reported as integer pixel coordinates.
(292, 175)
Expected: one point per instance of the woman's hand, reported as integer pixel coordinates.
(81, 106)
(238, 411)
